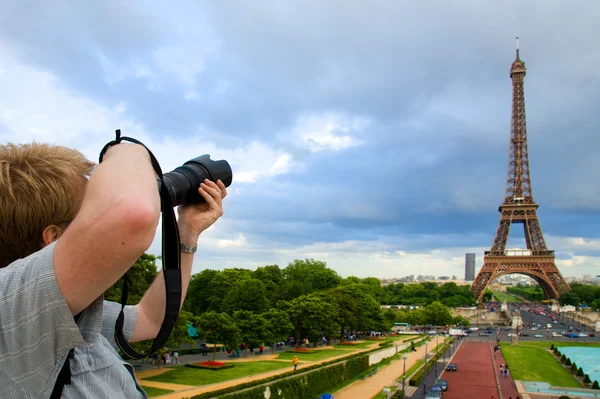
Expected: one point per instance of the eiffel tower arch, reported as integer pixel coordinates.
(537, 261)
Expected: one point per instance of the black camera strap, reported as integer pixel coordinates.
(171, 266)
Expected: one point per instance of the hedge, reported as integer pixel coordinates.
(586, 379)
(568, 363)
(595, 385)
(580, 372)
(304, 386)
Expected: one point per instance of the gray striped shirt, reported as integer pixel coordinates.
(37, 331)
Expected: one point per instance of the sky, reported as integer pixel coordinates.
(372, 136)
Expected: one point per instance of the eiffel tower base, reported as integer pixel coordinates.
(540, 266)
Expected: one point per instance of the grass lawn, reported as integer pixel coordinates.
(547, 344)
(361, 345)
(503, 296)
(316, 355)
(531, 363)
(155, 391)
(190, 376)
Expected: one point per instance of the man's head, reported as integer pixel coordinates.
(41, 189)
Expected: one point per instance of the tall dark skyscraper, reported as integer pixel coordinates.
(470, 267)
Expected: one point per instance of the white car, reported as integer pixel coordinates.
(555, 334)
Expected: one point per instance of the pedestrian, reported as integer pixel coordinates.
(506, 373)
(295, 361)
(176, 357)
(501, 369)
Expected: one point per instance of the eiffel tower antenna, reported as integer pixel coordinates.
(519, 207)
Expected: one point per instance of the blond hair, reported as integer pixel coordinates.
(40, 185)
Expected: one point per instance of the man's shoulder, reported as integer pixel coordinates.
(28, 272)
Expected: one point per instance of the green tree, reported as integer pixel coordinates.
(569, 298)
(200, 290)
(179, 335)
(461, 321)
(272, 277)
(438, 314)
(218, 328)
(313, 273)
(312, 315)
(141, 275)
(278, 326)
(253, 328)
(247, 294)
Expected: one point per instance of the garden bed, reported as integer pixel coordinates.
(302, 350)
(211, 365)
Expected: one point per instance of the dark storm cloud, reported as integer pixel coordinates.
(433, 79)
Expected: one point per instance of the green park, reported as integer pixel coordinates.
(308, 300)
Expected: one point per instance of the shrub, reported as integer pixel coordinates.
(387, 343)
(564, 397)
(586, 379)
(595, 385)
(552, 347)
(574, 368)
(563, 359)
(580, 372)
(568, 363)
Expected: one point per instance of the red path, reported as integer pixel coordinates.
(476, 375)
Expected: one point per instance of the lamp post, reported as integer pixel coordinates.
(425, 379)
(404, 376)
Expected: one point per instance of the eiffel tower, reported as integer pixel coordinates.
(519, 207)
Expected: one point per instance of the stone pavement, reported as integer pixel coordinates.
(185, 391)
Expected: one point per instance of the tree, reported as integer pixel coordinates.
(278, 326)
(312, 273)
(218, 328)
(252, 327)
(312, 315)
(438, 314)
(198, 299)
(569, 298)
(141, 275)
(179, 335)
(461, 321)
(272, 278)
(247, 294)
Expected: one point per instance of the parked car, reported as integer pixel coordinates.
(555, 334)
(442, 384)
(435, 393)
(452, 367)
(483, 334)
(538, 336)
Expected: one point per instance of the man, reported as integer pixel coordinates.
(63, 241)
(295, 361)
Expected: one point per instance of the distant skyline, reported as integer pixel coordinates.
(373, 137)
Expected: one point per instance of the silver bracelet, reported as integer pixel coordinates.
(188, 249)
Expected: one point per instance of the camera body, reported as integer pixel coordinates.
(183, 182)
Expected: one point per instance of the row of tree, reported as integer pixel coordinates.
(578, 295)
(306, 299)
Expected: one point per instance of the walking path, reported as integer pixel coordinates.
(371, 386)
(186, 391)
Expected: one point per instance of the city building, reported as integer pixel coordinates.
(470, 267)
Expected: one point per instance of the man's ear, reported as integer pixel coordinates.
(50, 234)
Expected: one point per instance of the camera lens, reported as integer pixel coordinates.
(183, 182)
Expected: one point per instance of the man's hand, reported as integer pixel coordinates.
(195, 218)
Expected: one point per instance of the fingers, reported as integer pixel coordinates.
(212, 194)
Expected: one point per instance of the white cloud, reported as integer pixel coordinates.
(329, 131)
(240, 241)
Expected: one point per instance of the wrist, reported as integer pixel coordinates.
(188, 238)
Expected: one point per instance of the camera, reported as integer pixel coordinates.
(183, 182)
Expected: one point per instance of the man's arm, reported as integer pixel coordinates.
(115, 225)
(193, 220)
